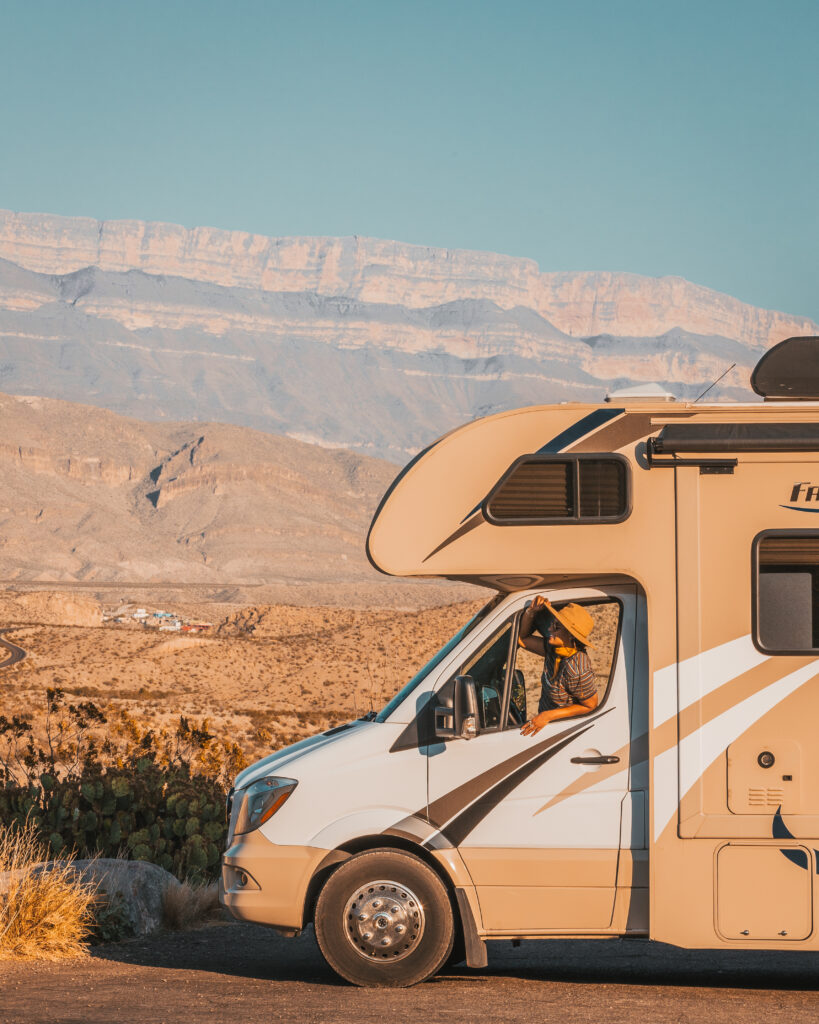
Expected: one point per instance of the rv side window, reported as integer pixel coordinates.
(528, 667)
(549, 489)
(786, 592)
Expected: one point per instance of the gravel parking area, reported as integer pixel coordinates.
(252, 975)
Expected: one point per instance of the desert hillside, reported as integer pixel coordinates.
(263, 676)
(235, 514)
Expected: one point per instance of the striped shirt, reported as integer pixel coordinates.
(566, 681)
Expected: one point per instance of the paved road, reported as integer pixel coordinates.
(250, 975)
(15, 653)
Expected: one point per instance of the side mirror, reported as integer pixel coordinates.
(456, 716)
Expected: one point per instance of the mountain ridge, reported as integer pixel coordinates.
(376, 270)
(422, 339)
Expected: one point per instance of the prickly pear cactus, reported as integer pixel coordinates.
(162, 815)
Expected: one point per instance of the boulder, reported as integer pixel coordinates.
(137, 883)
(134, 885)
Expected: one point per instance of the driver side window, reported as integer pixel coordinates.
(490, 664)
(528, 667)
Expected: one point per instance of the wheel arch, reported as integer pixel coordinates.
(361, 844)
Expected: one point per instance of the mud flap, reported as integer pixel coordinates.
(474, 945)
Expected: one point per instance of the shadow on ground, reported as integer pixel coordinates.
(260, 954)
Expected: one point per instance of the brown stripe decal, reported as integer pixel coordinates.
(564, 441)
(616, 435)
(451, 805)
(447, 806)
(462, 530)
(460, 827)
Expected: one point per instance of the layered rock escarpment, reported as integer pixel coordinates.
(350, 342)
(392, 273)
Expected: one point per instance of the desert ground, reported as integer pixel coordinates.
(247, 973)
(262, 675)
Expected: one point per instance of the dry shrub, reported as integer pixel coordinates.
(189, 905)
(46, 912)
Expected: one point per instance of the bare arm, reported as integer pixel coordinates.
(553, 714)
(535, 644)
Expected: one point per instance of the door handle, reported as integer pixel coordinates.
(602, 759)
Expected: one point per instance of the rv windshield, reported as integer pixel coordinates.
(436, 659)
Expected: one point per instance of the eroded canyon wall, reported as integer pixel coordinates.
(375, 271)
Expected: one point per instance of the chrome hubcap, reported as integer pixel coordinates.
(384, 920)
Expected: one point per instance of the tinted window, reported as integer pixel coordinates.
(542, 489)
(545, 489)
(786, 588)
(602, 488)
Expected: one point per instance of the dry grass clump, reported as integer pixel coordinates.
(189, 905)
(46, 913)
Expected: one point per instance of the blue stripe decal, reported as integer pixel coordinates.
(580, 429)
(472, 513)
(795, 508)
(779, 830)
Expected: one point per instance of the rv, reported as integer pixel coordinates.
(684, 807)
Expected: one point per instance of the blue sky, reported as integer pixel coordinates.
(633, 136)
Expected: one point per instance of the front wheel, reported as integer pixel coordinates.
(384, 919)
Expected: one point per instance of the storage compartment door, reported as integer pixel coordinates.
(764, 893)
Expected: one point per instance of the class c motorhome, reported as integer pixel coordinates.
(684, 807)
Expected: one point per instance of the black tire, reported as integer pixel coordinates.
(458, 954)
(362, 876)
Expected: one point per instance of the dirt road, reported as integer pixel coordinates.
(250, 975)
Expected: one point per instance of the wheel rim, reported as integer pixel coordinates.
(384, 920)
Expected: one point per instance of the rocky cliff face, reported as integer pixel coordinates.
(198, 503)
(351, 342)
(375, 271)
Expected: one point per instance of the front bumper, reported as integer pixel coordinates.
(266, 883)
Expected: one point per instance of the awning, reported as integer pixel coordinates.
(682, 438)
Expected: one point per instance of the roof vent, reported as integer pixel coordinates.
(789, 372)
(641, 393)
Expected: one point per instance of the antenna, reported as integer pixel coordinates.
(715, 383)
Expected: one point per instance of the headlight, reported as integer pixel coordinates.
(261, 801)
